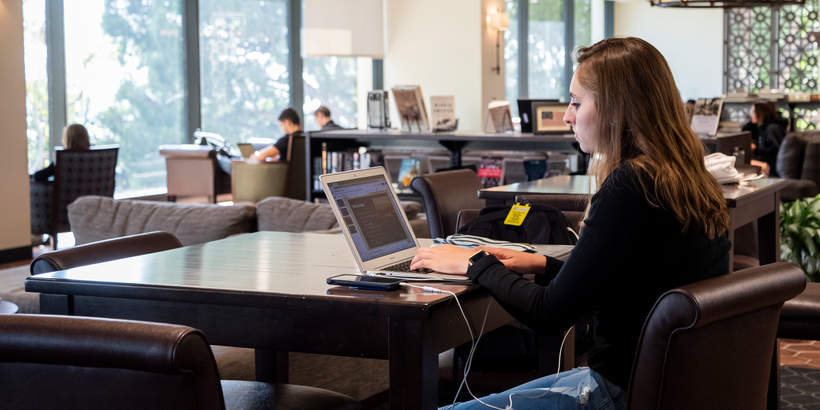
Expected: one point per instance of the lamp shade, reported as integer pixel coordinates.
(349, 28)
(500, 21)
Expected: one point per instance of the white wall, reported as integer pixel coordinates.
(14, 219)
(690, 39)
(446, 48)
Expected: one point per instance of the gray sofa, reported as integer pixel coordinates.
(96, 218)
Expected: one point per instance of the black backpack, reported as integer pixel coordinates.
(543, 225)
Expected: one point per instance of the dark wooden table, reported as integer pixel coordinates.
(267, 291)
(755, 200)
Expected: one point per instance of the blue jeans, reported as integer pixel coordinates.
(580, 388)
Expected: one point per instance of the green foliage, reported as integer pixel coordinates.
(800, 235)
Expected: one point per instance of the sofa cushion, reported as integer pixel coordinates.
(95, 218)
(790, 157)
(292, 215)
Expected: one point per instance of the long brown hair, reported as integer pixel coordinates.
(75, 138)
(642, 123)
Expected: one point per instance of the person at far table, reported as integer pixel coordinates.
(658, 221)
(768, 129)
(291, 126)
(322, 117)
(75, 138)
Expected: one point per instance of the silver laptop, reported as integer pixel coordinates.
(374, 223)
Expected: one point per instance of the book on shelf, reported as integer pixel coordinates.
(411, 108)
(491, 171)
(707, 115)
(442, 113)
(498, 117)
(409, 169)
(338, 161)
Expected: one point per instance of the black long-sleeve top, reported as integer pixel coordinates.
(628, 254)
(767, 138)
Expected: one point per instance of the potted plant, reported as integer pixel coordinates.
(800, 235)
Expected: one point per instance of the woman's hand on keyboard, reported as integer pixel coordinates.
(443, 258)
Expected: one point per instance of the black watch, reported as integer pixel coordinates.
(477, 257)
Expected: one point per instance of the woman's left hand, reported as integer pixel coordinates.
(443, 258)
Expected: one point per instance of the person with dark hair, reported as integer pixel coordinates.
(75, 138)
(657, 221)
(322, 117)
(768, 129)
(292, 127)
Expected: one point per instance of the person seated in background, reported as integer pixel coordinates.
(75, 138)
(768, 129)
(290, 124)
(322, 117)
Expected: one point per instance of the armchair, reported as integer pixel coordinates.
(798, 161)
(65, 362)
(711, 344)
(445, 194)
(253, 182)
(77, 173)
(192, 170)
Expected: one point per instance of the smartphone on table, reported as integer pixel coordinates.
(364, 281)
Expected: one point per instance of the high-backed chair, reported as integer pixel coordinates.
(70, 362)
(102, 251)
(798, 161)
(445, 194)
(711, 344)
(76, 173)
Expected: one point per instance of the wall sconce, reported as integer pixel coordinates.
(500, 22)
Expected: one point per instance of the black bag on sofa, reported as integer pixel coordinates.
(543, 225)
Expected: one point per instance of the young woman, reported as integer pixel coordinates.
(75, 138)
(658, 221)
(768, 129)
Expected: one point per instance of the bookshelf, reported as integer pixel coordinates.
(454, 143)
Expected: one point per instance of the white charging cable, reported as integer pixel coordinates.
(473, 339)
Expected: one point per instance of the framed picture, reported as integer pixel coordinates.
(549, 117)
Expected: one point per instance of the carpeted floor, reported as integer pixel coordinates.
(799, 388)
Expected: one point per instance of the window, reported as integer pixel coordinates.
(332, 82)
(511, 54)
(124, 82)
(34, 45)
(537, 68)
(243, 67)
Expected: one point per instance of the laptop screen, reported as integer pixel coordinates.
(371, 213)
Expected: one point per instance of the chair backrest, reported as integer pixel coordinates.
(296, 185)
(445, 194)
(710, 344)
(251, 182)
(727, 144)
(80, 173)
(105, 250)
(62, 362)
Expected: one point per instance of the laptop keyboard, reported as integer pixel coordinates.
(405, 267)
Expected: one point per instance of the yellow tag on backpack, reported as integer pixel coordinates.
(517, 214)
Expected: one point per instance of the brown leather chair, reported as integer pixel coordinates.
(76, 174)
(102, 251)
(445, 194)
(711, 344)
(65, 362)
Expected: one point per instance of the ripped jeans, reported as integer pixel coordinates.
(580, 388)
